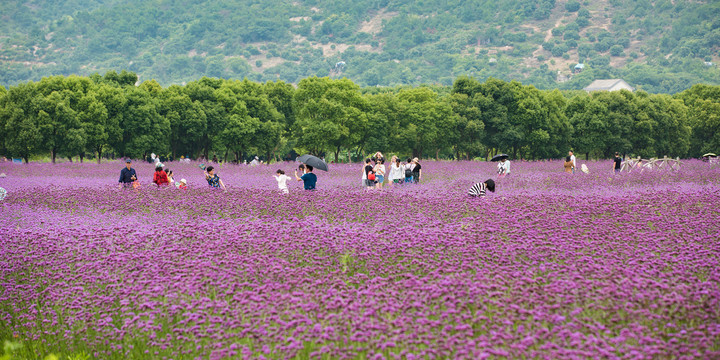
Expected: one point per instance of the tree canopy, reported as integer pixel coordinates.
(109, 115)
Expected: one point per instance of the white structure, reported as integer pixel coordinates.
(609, 85)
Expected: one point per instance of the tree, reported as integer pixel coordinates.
(107, 134)
(188, 123)
(704, 117)
(428, 121)
(144, 130)
(329, 114)
(586, 115)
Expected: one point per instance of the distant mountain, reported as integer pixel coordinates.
(657, 46)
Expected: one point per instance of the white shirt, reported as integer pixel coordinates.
(282, 181)
(504, 167)
(572, 158)
(379, 169)
(396, 172)
(364, 173)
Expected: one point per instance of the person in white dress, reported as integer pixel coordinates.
(282, 180)
(572, 158)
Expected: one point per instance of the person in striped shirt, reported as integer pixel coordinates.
(479, 189)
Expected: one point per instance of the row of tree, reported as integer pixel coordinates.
(109, 115)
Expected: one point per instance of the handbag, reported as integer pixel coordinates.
(371, 176)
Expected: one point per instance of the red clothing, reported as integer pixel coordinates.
(160, 178)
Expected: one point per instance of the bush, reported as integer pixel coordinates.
(559, 50)
(572, 6)
(582, 22)
(616, 50)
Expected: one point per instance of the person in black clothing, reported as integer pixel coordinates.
(617, 162)
(369, 170)
(416, 171)
(127, 175)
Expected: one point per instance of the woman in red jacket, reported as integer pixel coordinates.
(160, 177)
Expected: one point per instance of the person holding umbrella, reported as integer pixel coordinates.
(311, 162)
(503, 167)
(309, 179)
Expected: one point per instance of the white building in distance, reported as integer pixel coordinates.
(609, 85)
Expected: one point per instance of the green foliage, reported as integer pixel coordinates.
(108, 115)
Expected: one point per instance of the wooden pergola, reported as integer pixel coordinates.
(640, 164)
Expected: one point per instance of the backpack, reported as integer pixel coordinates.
(408, 173)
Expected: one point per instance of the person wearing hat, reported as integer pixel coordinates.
(183, 184)
(479, 189)
(127, 175)
(416, 170)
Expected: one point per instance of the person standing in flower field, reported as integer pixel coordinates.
(416, 171)
(379, 170)
(568, 165)
(282, 180)
(396, 172)
(309, 179)
(572, 158)
(127, 175)
(503, 167)
(617, 162)
(409, 165)
(369, 174)
(213, 179)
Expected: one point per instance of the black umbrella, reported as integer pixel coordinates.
(499, 157)
(313, 161)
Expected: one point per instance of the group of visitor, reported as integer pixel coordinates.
(374, 171)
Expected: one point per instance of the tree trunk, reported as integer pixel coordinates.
(82, 156)
(70, 158)
(27, 159)
(99, 152)
(52, 155)
(587, 155)
(226, 154)
(337, 152)
(437, 155)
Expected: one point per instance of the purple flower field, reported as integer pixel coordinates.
(551, 265)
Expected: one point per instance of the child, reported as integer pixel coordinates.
(282, 181)
(183, 184)
(213, 179)
(170, 176)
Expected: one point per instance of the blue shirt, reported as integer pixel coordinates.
(126, 175)
(309, 181)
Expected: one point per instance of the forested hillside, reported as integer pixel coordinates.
(656, 46)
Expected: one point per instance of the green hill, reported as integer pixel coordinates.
(657, 46)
